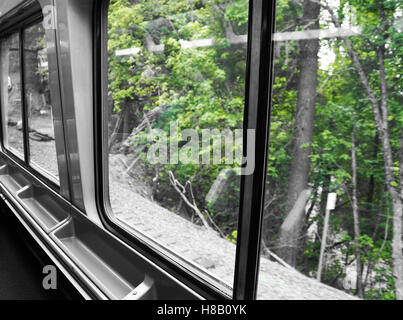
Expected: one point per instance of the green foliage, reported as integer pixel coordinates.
(202, 87)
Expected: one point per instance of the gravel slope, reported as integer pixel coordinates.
(207, 249)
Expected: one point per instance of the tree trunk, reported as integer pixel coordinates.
(356, 216)
(303, 131)
(397, 247)
(291, 227)
(371, 183)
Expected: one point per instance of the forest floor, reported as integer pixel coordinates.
(203, 247)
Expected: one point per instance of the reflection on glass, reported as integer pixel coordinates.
(11, 95)
(336, 129)
(42, 144)
(176, 97)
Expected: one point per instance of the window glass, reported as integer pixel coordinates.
(336, 129)
(11, 95)
(42, 146)
(176, 100)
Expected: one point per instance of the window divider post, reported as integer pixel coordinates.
(257, 117)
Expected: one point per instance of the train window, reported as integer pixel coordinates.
(176, 90)
(11, 95)
(42, 146)
(334, 151)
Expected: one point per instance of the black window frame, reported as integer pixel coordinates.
(33, 16)
(256, 116)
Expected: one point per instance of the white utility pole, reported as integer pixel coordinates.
(330, 205)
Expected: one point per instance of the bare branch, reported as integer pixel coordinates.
(214, 224)
(182, 192)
